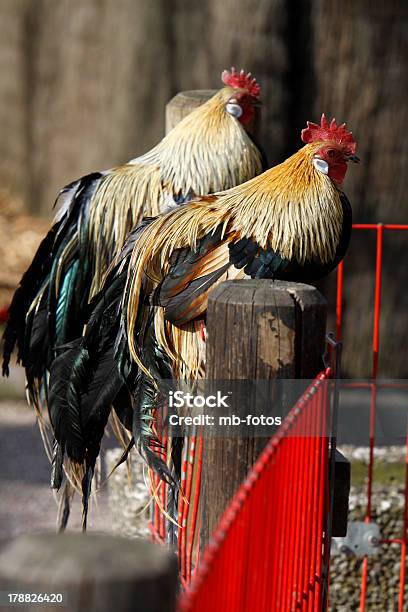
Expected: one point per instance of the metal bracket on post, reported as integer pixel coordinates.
(362, 540)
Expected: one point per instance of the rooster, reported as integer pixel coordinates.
(293, 222)
(208, 150)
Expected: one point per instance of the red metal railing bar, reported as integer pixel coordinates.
(303, 505)
(288, 525)
(373, 403)
(304, 551)
(182, 503)
(374, 226)
(368, 385)
(298, 443)
(189, 479)
(323, 464)
(155, 481)
(329, 428)
(274, 476)
(311, 592)
(377, 300)
(339, 301)
(280, 476)
(291, 524)
(163, 492)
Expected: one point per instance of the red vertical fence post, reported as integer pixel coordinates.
(373, 406)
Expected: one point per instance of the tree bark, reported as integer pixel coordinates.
(84, 84)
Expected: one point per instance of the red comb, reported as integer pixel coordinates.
(241, 80)
(335, 133)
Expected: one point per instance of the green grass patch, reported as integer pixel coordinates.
(384, 473)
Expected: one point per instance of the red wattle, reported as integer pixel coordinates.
(247, 115)
(337, 171)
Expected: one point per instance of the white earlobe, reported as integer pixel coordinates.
(234, 109)
(321, 165)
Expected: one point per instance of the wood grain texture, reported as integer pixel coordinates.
(183, 103)
(84, 84)
(359, 75)
(186, 101)
(97, 573)
(258, 330)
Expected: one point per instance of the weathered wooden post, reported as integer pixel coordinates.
(93, 573)
(186, 101)
(257, 329)
(183, 103)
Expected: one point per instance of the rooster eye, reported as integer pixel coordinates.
(234, 109)
(321, 165)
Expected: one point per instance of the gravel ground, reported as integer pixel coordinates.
(128, 496)
(388, 454)
(384, 567)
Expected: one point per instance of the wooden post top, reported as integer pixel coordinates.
(269, 329)
(185, 102)
(99, 573)
(257, 290)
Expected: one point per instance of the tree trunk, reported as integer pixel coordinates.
(85, 83)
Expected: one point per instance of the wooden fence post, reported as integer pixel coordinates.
(186, 101)
(94, 573)
(257, 329)
(183, 103)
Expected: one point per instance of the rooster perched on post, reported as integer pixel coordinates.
(293, 222)
(208, 150)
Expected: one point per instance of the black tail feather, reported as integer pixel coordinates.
(66, 507)
(30, 285)
(57, 466)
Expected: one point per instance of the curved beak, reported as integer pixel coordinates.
(354, 158)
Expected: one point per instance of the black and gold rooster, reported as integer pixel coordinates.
(208, 150)
(293, 222)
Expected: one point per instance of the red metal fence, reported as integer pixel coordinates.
(372, 387)
(266, 553)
